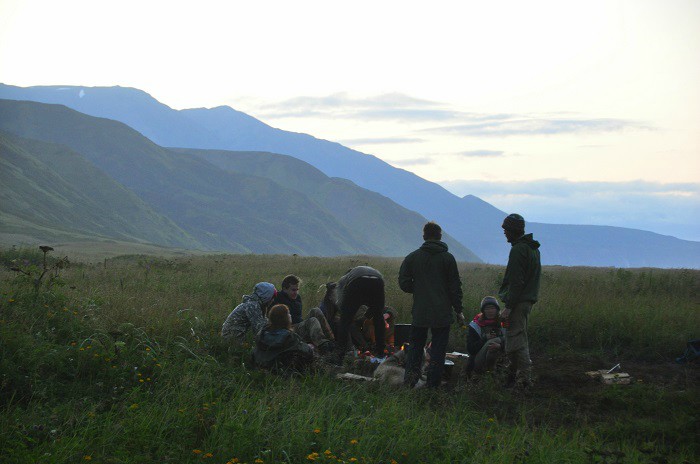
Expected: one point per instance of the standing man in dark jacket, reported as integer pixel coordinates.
(519, 291)
(430, 273)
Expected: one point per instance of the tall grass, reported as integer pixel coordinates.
(122, 361)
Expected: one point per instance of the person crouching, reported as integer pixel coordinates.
(485, 339)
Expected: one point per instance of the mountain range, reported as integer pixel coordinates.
(180, 198)
(211, 133)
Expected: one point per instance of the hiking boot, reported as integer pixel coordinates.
(326, 348)
(525, 384)
(510, 381)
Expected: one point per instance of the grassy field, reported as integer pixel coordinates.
(120, 360)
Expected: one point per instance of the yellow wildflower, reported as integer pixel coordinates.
(134, 406)
(317, 430)
(259, 461)
(208, 455)
(197, 451)
(87, 457)
(353, 442)
(491, 419)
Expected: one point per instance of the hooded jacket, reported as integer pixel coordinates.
(522, 278)
(430, 273)
(271, 344)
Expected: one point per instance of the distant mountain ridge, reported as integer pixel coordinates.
(220, 210)
(471, 221)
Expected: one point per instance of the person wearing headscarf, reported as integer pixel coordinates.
(249, 314)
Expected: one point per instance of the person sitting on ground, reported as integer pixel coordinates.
(278, 348)
(485, 339)
(315, 328)
(250, 314)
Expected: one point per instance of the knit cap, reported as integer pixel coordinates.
(514, 222)
(265, 291)
(490, 301)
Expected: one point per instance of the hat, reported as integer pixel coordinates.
(490, 301)
(265, 291)
(514, 222)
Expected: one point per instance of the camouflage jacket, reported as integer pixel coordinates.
(247, 315)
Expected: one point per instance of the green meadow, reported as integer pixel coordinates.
(120, 360)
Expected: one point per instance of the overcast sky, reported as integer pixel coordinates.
(565, 111)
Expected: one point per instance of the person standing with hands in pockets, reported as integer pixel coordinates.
(430, 273)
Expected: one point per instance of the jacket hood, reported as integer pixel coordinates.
(528, 240)
(434, 246)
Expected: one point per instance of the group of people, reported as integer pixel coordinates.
(355, 304)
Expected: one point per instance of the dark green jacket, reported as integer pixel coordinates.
(271, 345)
(522, 279)
(431, 274)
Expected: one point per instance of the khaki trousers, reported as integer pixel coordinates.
(314, 329)
(517, 346)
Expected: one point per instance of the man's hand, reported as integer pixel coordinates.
(494, 346)
(461, 320)
(505, 313)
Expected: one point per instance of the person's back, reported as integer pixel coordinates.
(278, 348)
(430, 273)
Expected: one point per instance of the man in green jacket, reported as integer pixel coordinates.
(519, 291)
(430, 273)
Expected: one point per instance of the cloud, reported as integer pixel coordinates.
(412, 161)
(669, 209)
(524, 125)
(399, 107)
(386, 107)
(482, 153)
(380, 141)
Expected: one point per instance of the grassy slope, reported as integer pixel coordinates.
(47, 186)
(393, 229)
(125, 364)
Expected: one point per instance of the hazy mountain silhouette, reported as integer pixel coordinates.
(471, 221)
